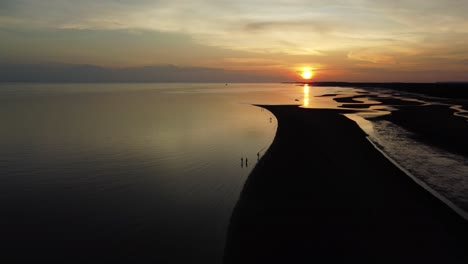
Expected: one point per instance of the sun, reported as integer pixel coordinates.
(307, 73)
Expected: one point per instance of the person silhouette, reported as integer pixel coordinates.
(242, 162)
(258, 156)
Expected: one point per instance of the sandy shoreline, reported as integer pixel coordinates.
(323, 193)
(441, 128)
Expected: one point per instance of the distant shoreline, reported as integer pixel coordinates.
(438, 89)
(323, 193)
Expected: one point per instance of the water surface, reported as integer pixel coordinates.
(152, 171)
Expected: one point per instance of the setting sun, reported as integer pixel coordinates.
(306, 73)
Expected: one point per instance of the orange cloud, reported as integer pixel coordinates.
(373, 57)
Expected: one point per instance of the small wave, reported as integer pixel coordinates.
(423, 184)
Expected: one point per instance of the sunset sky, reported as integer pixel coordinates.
(359, 40)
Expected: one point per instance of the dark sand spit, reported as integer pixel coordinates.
(358, 106)
(326, 95)
(323, 194)
(394, 101)
(349, 99)
(381, 100)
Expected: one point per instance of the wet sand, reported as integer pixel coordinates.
(322, 193)
(438, 89)
(435, 125)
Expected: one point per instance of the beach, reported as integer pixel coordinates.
(449, 133)
(322, 193)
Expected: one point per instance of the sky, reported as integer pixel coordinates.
(338, 40)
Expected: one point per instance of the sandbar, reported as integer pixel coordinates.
(323, 194)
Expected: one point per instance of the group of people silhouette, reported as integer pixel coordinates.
(247, 160)
(258, 153)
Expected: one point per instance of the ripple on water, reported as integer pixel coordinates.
(443, 171)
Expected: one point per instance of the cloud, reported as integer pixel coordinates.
(253, 61)
(298, 25)
(259, 26)
(371, 56)
(160, 73)
(412, 34)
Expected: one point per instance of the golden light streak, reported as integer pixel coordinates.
(306, 95)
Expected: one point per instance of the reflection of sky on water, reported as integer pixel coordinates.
(443, 171)
(111, 162)
(141, 150)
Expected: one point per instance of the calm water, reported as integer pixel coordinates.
(152, 171)
(96, 167)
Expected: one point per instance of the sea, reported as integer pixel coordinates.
(151, 172)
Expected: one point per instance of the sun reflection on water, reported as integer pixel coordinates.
(306, 95)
